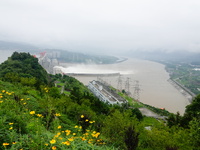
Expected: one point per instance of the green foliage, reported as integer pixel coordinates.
(192, 112)
(162, 138)
(116, 126)
(159, 111)
(37, 116)
(24, 68)
(195, 133)
(193, 109)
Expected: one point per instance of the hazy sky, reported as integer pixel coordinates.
(102, 25)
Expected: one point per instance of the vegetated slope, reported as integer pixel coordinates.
(33, 117)
(23, 67)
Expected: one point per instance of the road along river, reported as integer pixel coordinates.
(144, 79)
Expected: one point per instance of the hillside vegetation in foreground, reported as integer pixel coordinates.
(35, 115)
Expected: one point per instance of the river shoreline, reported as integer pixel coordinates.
(154, 88)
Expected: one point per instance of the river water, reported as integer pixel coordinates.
(154, 89)
(152, 79)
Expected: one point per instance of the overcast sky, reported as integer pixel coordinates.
(102, 25)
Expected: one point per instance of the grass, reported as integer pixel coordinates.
(131, 101)
(149, 121)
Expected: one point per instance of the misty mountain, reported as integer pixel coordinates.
(61, 55)
(4, 45)
(163, 55)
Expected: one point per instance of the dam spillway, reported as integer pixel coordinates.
(92, 74)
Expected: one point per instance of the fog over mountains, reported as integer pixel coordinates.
(155, 55)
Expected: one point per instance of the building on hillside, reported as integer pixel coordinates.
(104, 93)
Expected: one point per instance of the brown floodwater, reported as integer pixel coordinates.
(154, 89)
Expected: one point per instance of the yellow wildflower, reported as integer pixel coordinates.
(59, 127)
(86, 134)
(46, 144)
(53, 141)
(32, 112)
(1, 101)
(76, 127)
(14, 142)
(86, 120)
(57, 114)
(83, 138)
(3, 91)
(57, 135)
(39, 115)
(5, 144)
(71, 139)
(82, 116)
(74, 133)
(10, 128)
(66, 143)
(24, 103)
(96, 135)
(21, 99)
(1, 96)
(54, 147)
(67, 132)
(90, 141)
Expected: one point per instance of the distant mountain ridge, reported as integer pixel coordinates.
(62, 55)
(162, 55)
(4, 45)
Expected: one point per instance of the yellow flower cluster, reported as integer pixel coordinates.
(68, 132)
(4, 93)
(95, 134)
(40, 115)
(57, 114)
(87, 120)
(32, 112)
(67, 137)
(46, 90)
(6, 144)
(11, 123)
(66, 143)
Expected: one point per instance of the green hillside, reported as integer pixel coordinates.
(35, 115)
(21, 67)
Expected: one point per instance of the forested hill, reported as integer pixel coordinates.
(22, 67)
(36, 116)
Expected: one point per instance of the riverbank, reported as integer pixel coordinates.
(183, 90)
(153, 85)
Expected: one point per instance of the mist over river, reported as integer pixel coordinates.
(152, 77)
